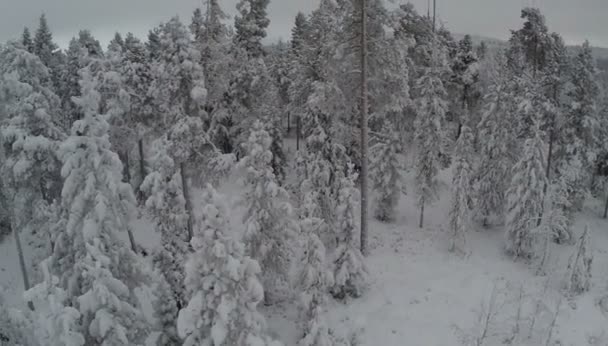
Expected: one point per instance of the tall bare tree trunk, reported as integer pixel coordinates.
(298, 133)
(186, 192)
(142, 166)
(127, 167)
(142, 160)
(26, 280)
(606, 207)
(364, 129)
(131, 239)
(421, 224)
(434, 14)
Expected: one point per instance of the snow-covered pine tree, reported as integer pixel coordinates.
(117, 44)
(212, 38)
(428, 137)
(269, 228)
(153, 43)
(96, 269)
(461, 190)
(526, 197)
(555, 77)
(222, 284)
(386, 173)
(137, 78)
(579, 266)
(350, 271)
(252, 94)
(30, 166)
(250, 26)
(178, 96)
(81, 50)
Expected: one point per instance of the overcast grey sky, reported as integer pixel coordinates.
(576, 20)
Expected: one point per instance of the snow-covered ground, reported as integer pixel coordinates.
(422, 295)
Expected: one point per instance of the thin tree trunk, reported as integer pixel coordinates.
(434, 14)
(142, 161)
(142, 166)
(298, 133)
(131, 239)
(186, 192)
(127, 168)
(364, 129)
(606, 207)
(26, 280)
(288, 122)
(421, 215)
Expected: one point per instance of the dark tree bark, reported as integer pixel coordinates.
(364, 130)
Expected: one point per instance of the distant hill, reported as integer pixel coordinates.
(495, 43)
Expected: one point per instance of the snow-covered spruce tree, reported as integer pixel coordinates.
(431, 113)
(460, 215)
(350, 272)
(16, 327)
(57, 323)
(167, 207)
(386, 173)
(578, 277)
(166, 313)
(582, 124)
(96, 269)
(222, 284)
(465, 77)
(495, 142)
(313, 277)
(525, 198)
(559, 215)
(26, 40)
(269, 228)
(30, 167)
(43, 45)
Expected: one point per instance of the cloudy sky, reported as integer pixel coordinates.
(576, 20)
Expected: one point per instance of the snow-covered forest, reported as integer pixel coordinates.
(372, 181)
